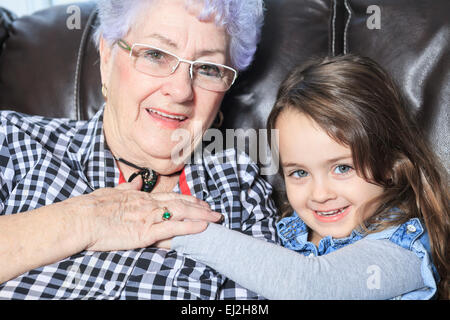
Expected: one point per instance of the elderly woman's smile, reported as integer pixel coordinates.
(166, 119)
(170, 72)
(166, 116)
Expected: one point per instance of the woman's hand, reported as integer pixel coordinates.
(121, 218)
(124, 218)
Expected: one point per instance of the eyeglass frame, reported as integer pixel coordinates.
(125, 46)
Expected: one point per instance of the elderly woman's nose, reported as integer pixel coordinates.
(179, 85)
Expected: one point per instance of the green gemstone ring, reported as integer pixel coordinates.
(166, 215)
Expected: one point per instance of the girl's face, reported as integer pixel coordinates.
(321, 184)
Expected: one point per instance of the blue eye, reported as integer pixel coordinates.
(342, 169)
(300, 174)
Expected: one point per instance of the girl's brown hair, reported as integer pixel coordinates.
(358, 104)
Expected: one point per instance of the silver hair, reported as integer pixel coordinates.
(242, 20)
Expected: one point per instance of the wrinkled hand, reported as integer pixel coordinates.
(123, 218)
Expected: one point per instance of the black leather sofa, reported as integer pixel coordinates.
(49, 69)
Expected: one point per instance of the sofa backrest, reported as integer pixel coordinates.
(49, 68)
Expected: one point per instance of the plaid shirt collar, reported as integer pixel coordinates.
(90, 155)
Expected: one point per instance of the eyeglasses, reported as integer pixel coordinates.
(161, 63)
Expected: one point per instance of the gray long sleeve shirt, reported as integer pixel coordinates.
(367, 269)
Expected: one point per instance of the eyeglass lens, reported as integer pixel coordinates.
(158, 63)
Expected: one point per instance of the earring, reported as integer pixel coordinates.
(104, 91)
(219, 120)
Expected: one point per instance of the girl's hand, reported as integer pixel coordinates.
(124, 218)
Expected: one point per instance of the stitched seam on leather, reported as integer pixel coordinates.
(346, 25)
(79, 62)
(77, 72)
(333, 41)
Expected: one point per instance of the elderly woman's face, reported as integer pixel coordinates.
(143, 111)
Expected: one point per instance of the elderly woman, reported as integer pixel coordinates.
(71, 225)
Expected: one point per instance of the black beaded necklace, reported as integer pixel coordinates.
(149, 176)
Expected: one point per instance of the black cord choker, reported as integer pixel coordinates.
(149, 176)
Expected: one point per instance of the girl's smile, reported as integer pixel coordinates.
(331, 215)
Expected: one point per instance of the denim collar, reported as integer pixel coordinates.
(293, 233)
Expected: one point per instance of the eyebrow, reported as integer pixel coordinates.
(164, 39)
(170, 43)
(332, 160)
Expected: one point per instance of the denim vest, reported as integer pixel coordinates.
(411, 235)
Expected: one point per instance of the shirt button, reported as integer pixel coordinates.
(411, 228)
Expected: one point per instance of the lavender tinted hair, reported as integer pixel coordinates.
(242, 21)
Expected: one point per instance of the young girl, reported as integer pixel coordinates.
(360, 178)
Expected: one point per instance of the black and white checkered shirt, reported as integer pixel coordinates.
(43, 161)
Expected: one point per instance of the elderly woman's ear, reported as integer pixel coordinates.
(105, 60)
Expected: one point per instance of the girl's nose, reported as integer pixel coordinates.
(322, 191)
